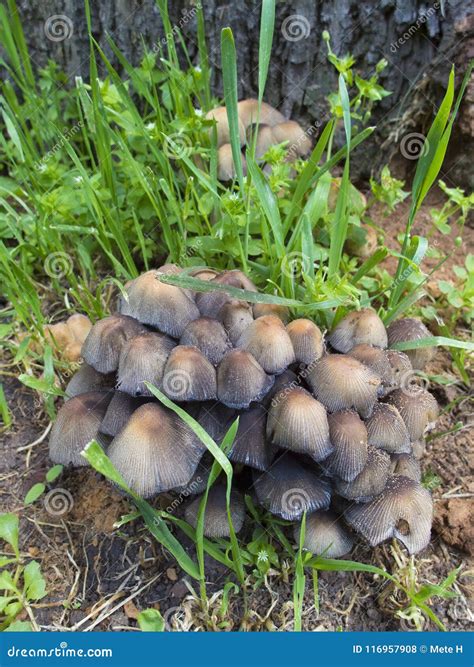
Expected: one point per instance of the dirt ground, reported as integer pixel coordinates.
(99, 578)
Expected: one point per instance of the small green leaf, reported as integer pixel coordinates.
(35, 585)
(9, 531)
(151, 620)
(53, 473)
(34, 493)
(19, 626)
(7, 583)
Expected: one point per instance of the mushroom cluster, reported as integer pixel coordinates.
(328, 425)
(273, 129)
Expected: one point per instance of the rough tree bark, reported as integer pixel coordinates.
(419, 42)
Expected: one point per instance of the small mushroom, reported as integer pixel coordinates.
(298, 422)
(88, 379)
(371, 481)
(406, 465)
(298, 141)
(105, 340)
(262, 309)
(376, 359)
(411, 329)
(417, 407)
(348, 436)
(387, 429)
(250, 446)
(241, 380)
(264, 141)
(307, 340)
(325, 535)
(270, 344)
(236, 316)
(196, 485)
(209, 336)
(189, 376)
(342, 382)
(79, 325)
(363, 243)
(404, 510)
(216, 522)
(203, 273)
(288, 489)
(400, 365)
(219, 114)
(248, 112)
(143, 359)
(156, 451)
(362, 326)
(77, 423)
(226, 170)
(119, 411)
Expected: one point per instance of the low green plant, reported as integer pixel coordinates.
(37, 490)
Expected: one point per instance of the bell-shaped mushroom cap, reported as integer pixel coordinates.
(408, 329)
(216, 419)
(376, 359)
(349, 437)
(404, 510)
(196, 485)
(325, 535)
(307, 340)
(236, 316)
(362, 326)
(79, 325)
(250, 446)
(241, 380)
(189, 376)
(418, 408)
(166, 307)
(209, 336)
(371, 481)
(264, 141)
(77, 423)
(387, 429)
(88, 379)
(266, 338)
(299, 143)
(262, 309)
(286, 381)
(143, 359)
(226, 170)
(236, 278)
(119, 411)
(211, 303)
(406, 465)
(216, 522)
(342, 382)
(298, 422)
(156, 451)
(248, 111)
(289, 489)
(105, 340)
(219, 114)
(401, 367)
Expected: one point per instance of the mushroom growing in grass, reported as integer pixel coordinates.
(411, 329)
(262, 309)
(266, 338)
(188, 375)
(298, 143)
(216, 521)
(143, 359)
(241, 380)
(250, 446)
(119, 411)
(325, 535)
(219, 114)
(209, 336)
(216, 419)
(307, 340)
(387, 430)
(77, 423)
(88, 379)
(248, 113)
(417, 407)
(226, 170)
(105, 340)
(348, 435)
(156, 451)
(370, 481)
(236, 316)
(404, 510)
(362, 326)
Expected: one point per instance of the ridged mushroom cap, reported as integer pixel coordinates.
(284, 382)
(307, 340)
(376, 359)
(216, 522)
(209, 336)
(236, 316)
(105, 340)
(325, 535)
(406, 465)
(77, 423)
(387, 429)
(404, 510)
(250, 446)
(219, 114)
(241, 380)
(196, 485)
(417, 407)
(211, 303)
(370, 481)
(262, 309)
(342, 382)
(248, 111)
(88, 379)
(362, 326)
(288, 489)
(410, 329)
(119, 411)
(348, 436)
(165, 307)
(298, 422)
(189, 376)
(156, 451)
(216, 419)
(143, 359)
(299, 143)
(266, 338)
(400, 365)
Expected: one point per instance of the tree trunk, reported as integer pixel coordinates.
(418, 42)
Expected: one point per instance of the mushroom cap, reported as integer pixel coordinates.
(236, 278)
(189, 376)
(262, 309)
(211, 303)
(248, 111)
(241, 380)
(408, 329)
(325, 535)
(342, 382)
(307, 340)
(216, 419)
(72, 351)
(77, 423)
(299, 143)
(288, 489)
(105, 340)
(216, 523)
(406, 465)
(284, 382)
(119, 411)
(298, 422)
(387, 429)
(268, 341)
(376, 359)
(197, 484)
(88, 379)
(400, 365)
(250, 446)
(264, 141)
(404, 510)
(370, 481)
(236, 316)
(166, 307)
(143, 359)
(203, 273)
(417, 407)
(59, 334)
(219, 114)
(156, 451)
(362, 326)
(209, 336)
(226, 170)
(348, 436)
(79, 325)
